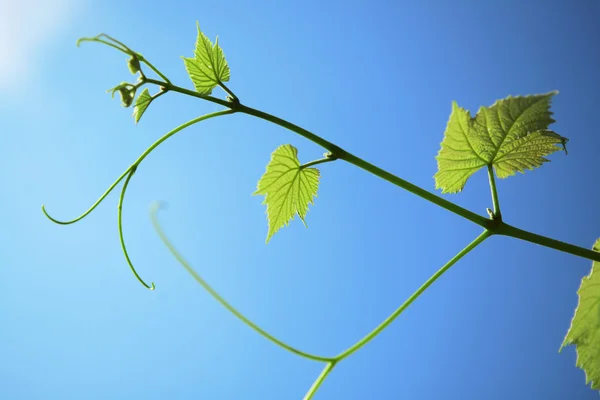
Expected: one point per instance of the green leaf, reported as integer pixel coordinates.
(208, 68)
(512, 135)
(584, 332)
(288, 188)
(141, 104)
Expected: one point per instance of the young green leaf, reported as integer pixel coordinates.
(141, 104)
(208, 68)
(584, 332)
(512, 135)
(288, 188)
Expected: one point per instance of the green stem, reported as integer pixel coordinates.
(497, 213)
(414, 296)
(188, 92)
(508, 230)
(229, 92)
(352, 159)
(448, 205)
(317, 383)
(317, 162)
(136, 163)
(120, 225)
(292, 127)
(222, 301)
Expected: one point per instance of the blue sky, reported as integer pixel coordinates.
(374, 77)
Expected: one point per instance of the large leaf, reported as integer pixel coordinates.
(584, 332)
(288, 188)
(208, 68)
(141, 104)
(512, 136)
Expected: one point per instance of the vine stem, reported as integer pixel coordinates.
(338, 152)
(175, 88)
(359, 162)
(484, 235)
(509, 230)
(494, 226)
(221, 300)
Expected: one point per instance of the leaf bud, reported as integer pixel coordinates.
(127, 96)
(134, 65)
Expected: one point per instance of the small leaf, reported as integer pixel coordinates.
(208, 68)
(584, 332)
(141, 104)
(512, 136)
(288, 188)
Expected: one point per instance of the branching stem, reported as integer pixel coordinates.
(509, 230)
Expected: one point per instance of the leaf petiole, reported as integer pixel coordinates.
(319, 161)
(497, 215)
(234, 98)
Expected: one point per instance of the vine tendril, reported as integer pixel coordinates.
(128, 174)
(120, 224)
(89, 210)
(154, 207)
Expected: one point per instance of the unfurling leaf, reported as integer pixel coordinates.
(288, 188)
(584, 332)
(512, 135)
(141, 104)
(208, 68)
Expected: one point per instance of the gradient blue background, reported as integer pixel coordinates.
(375, 77)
